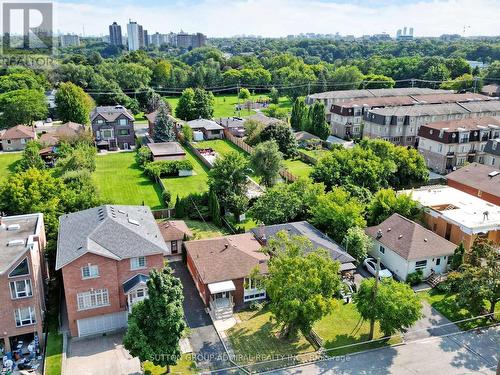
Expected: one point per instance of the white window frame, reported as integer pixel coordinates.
(381, 249)
(253, 290)
(92, 270)
(15, 293)
(420, 267)
(122, 122)
(135, 263)
(18, 316)
(17, 265)
(92, 299)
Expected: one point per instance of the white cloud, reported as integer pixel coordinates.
(281, 17)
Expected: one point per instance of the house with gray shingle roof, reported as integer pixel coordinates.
(105, 254)
(113, 127)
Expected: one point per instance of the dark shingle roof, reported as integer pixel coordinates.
(117, 232)
(134, 281)
(172, 230)
(303, 228)
(410, 240)
(110, 113)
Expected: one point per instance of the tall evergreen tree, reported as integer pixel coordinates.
(214, 207)
(298, 113)
(163, 127)
(156, 324)
(317, 123)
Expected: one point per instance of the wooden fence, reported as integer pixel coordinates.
(164, 213)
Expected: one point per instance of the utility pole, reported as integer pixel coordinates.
(374, 296)
(475, 84)
(238, 95)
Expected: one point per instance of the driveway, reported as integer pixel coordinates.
(207, 347)
(463, 353)
(100, 355)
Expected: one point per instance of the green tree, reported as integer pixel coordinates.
(244, 94)
(187, 132)
(377, 81)
(203, 104)
(346, 78)
(266, 161)
(81, 192)
(185, 106)
(283, 135)
(317, 124)
(228, 178)
(164, 128)
(357, 243)
(273, 110)
(156, 324)
(162, 73)
(462, 83)
(336, 212)
(73, 104)
(299, 112)
(274, 95)
(79, 157)
(393, 304)
(458, 257)
(386, 202)
(253, 128)
(26, 80)
(311, 278)
(22, 107)
(31, 157)
(214, 208)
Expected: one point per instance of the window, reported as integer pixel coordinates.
(90, 271)
(100, 121)
(493, 161)
(173, 247)
(25, 316)
(438, 261)
(92, 299)
(440, 147)
(9, 141)
(23, 141)
(107, 133)
(420, 264)
(122, 121)
(123, 132)
(21, 289)
(22, 269)
(137, 263)
(381, 249)
(253, 289)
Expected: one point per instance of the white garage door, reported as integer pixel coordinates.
(100, 324)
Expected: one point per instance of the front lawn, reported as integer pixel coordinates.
(7, 164)
(344, 326)
(183, 186)
(120, 180)
(53, 354)
(256, 339)
(185, 365)
(298, 168)
(203, 230)
(446, 304)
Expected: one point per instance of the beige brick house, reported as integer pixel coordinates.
(15, 138)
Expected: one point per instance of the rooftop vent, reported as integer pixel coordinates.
(13, 227)
(400, 236)
(16, 243)
(493, 174)
(425, 239)
(379, 233)
(134, 222)
(388, 229)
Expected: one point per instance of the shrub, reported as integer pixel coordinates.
(256, 306)
(415, 278)
(192, 206)
(187, 132)
(166, 168)
(167, 196)
(144, 156)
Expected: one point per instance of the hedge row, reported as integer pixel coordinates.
(166, 168)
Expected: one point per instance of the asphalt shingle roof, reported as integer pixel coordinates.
(117, 232)
(110, 113)
(134, 281)
(478, 176)
(19, 132)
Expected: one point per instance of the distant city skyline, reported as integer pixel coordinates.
(279, 18)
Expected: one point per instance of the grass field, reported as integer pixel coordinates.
(221, 146)
(446, 304)
(317, 154)
(53, 355)
(345, 327)
(183, 186)
(298, 168)
(257, 339)
(202, 229)
(185, 365)
(120, 181)
(225, 105)
(7, 163)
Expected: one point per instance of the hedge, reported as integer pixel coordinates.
(166, 168)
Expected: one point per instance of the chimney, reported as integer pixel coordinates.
(262, 234)
(485, 215)
(379, 233)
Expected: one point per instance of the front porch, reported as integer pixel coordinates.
(221, 299)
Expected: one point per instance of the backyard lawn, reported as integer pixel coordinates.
(120, 181)
(202, 229)
(183, 186)
(221, 146)
(256, 339)
(317, 154)
(446, 305)
(7, 163)
(185, 365)
(345, 327)
(298, 168)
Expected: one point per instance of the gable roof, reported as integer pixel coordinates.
(202, 123)
(134, 281)
(303, 228)
(226, 258)
(304, 136)
(117, 232)
(69, 129)
(478, 176)
(48, 139)
(19, 132)
(110, 113)
(152, 117)
(266, 120)
(410, 240)
(172, 230)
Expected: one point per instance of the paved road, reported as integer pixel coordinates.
(100, 355)
(462, 353)
(210, 353)
(431, 324)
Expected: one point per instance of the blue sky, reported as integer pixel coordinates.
(282, 17)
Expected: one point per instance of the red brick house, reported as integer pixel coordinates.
(105, 254)
(479, 180)
(221, 267)
(23, 273)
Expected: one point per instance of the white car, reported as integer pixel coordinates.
(371, 265)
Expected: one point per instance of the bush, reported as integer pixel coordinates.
(167, 196)
(166, 168)
(415, 278)
(144, 156)
(256, 306)
(187, 132)
(192, 206)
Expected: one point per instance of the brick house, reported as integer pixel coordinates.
(151, 117)
(221, 267)
(113, 127)
(479, 180)
(23, 273)
(457, 216)
(105, 254)
(15, 138)
(174, 232)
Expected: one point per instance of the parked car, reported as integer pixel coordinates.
(348, 288)
(371, 266)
